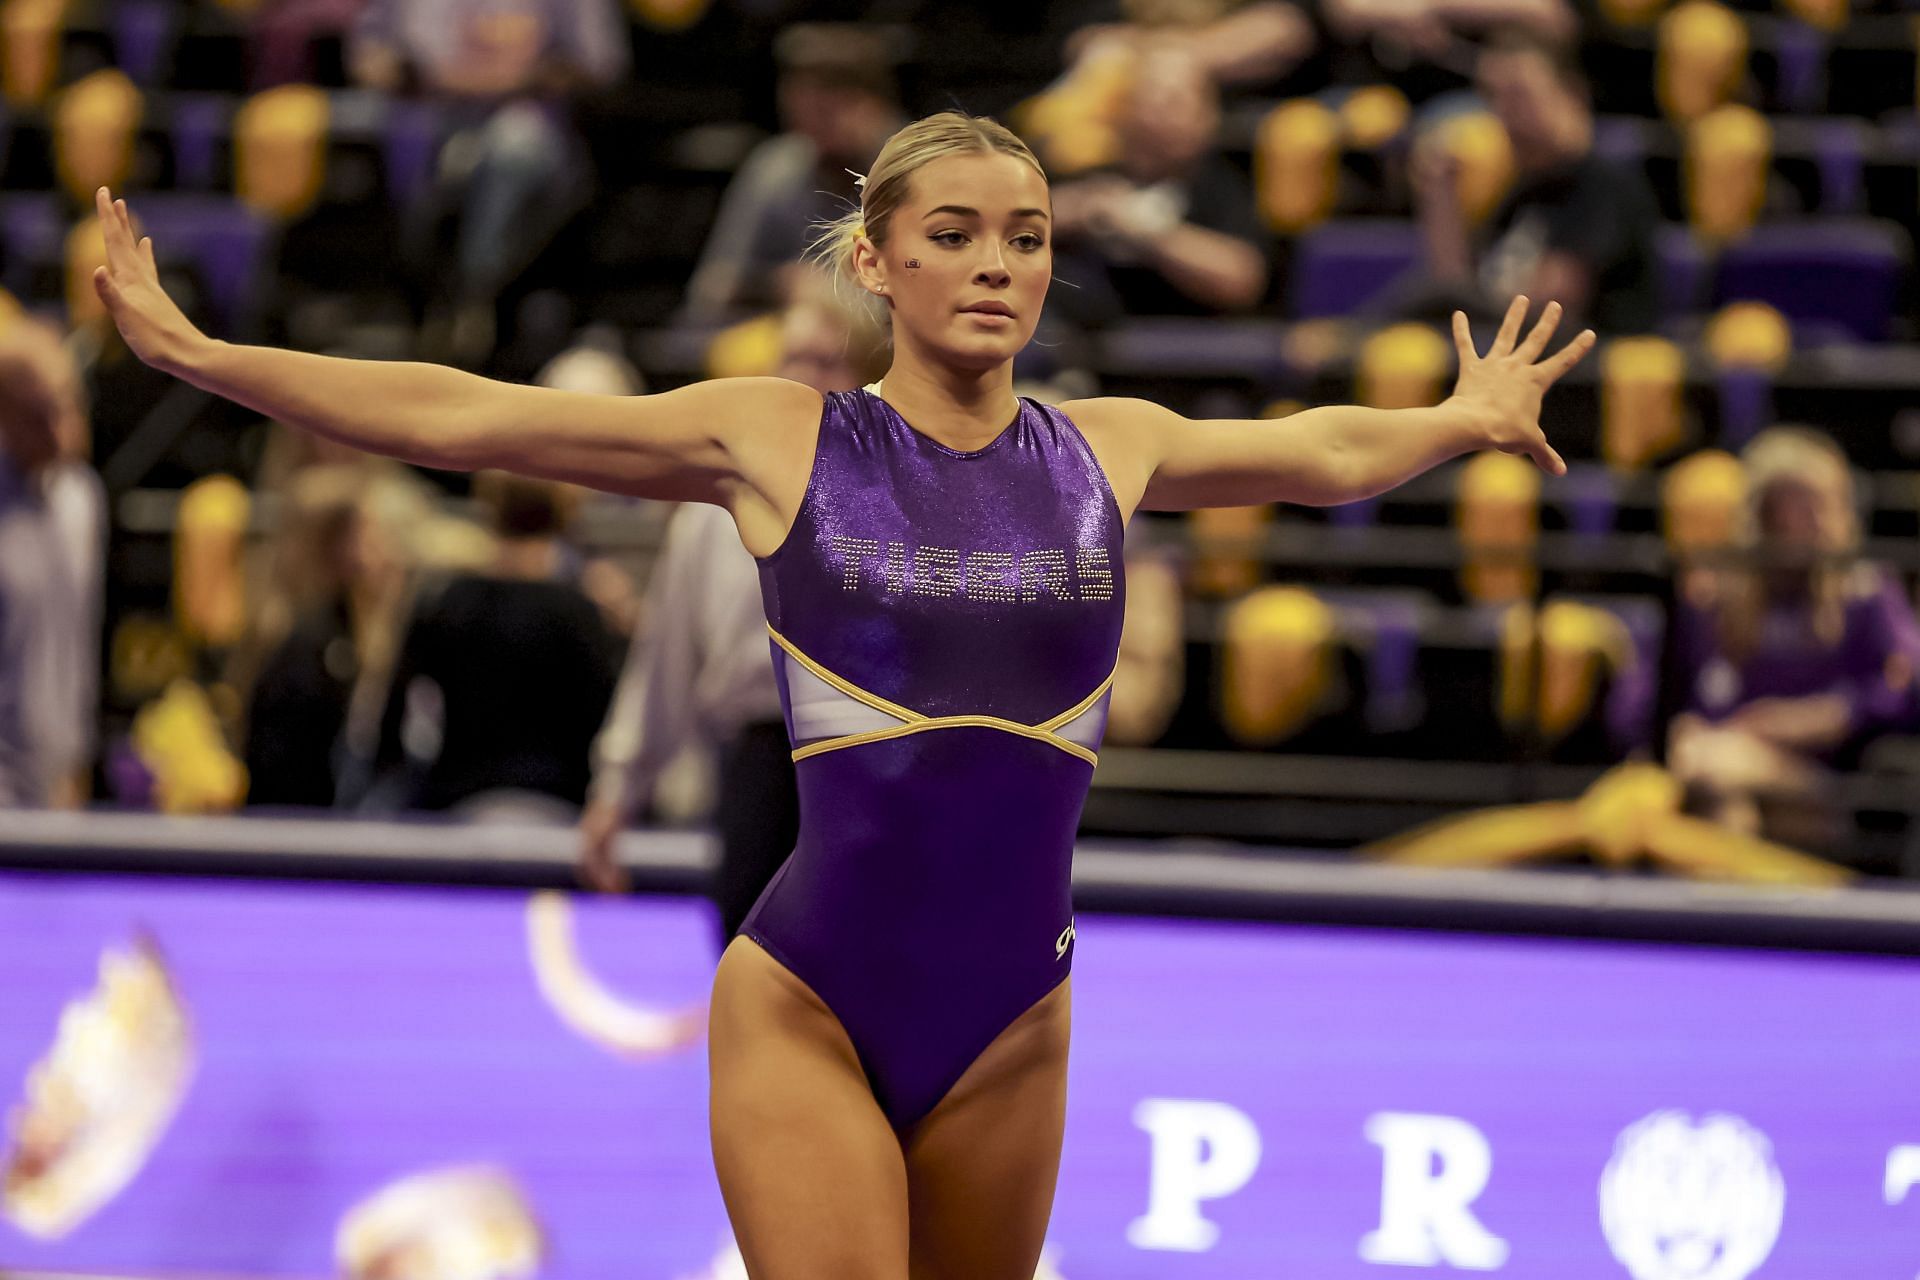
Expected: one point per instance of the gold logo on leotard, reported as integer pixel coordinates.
(1065, 940)
(1026, 577)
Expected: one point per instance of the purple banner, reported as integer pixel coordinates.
(1247, 1100)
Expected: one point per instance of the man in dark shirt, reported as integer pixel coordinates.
(1576, 227)
(1173, 229)
(513, 667)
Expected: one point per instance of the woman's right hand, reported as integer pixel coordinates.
(155, 329)
(599, 865)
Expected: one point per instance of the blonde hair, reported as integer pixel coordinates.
(884, 189)
(1795, 455)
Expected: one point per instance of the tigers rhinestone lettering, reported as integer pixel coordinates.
(1005, 577)
(1096, 574)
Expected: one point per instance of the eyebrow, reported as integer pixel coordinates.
(965, 212)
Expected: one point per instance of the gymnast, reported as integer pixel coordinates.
(941, 567)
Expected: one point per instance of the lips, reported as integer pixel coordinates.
(989, 309)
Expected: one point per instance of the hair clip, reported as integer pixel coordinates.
(859, 180)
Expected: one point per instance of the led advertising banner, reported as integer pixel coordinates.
(290, 1079)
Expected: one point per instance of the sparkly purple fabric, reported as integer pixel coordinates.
(927, 899)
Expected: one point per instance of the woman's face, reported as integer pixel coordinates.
(1790, 516)
(968, 257)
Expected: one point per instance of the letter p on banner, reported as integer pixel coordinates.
(1201, 1151)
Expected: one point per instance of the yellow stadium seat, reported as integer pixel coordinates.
(209, 575)
(93, 134)
(1729, 156)
(749, 349)
(1497, 516)
(668, 15)
(1373, 116)
(1828, 15)
(1702, 501)
(86, 251)
(29, 49)
(1750, 335)
(1578, 642)
(178, 738)
(1071, 123)
(1642, 401)
(1296, 165)
(1276, 664)
(1233, 567)
(1404, 366)
(280, 150)
(1700, 60)
(1631, 13)
(1480, 146)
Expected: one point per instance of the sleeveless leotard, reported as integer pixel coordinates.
(944, 630)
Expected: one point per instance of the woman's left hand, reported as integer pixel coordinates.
(1502, 389)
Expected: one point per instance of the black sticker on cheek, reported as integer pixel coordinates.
(913, 264)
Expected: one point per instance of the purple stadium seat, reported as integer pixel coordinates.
(1800, 67)
(199, 122)
(32, 233)
(1746, 405)
(411, 144)
(225, 241)
(142, 38)
(1683, 272)
(1390, 622)
(1840, 149)
(1836, 275)
(1591, 502)
(1341, 266)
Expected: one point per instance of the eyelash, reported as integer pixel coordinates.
(940, 237)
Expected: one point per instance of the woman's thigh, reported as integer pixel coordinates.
(981, 1167)
(810, 1169)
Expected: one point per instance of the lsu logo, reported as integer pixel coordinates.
(1686, 1201)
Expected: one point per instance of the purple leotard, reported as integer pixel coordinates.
(944, 629)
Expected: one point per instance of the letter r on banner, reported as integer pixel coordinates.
(1201, 1151)
(1432, 1170)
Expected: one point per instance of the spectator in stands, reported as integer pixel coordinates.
(1423, 47)
(331, 589)
(838, 103)
(504, 71)
(1233, 42)
(52, 563)
(1576, 227)
(504, 675)
(1172, 230)
(1798, 659)
(700, 675)
(285, 39)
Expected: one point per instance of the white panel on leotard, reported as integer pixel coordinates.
(822, 711)
(1086, 729)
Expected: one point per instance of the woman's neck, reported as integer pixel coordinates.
(961, 408)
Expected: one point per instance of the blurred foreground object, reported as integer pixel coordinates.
(466, 1223)
(622, 1027)
(97, 1104)
(1632, 814)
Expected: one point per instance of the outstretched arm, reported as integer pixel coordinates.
(690, 444)
(1340, 453)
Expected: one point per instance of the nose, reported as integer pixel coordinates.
(992, 270)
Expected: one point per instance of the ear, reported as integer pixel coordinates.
(869, 267)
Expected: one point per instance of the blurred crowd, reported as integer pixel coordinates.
(335, 631)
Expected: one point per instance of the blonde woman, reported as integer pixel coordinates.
(941, 568)
(1795, 659)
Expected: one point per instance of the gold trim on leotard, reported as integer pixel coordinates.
(915, 722)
